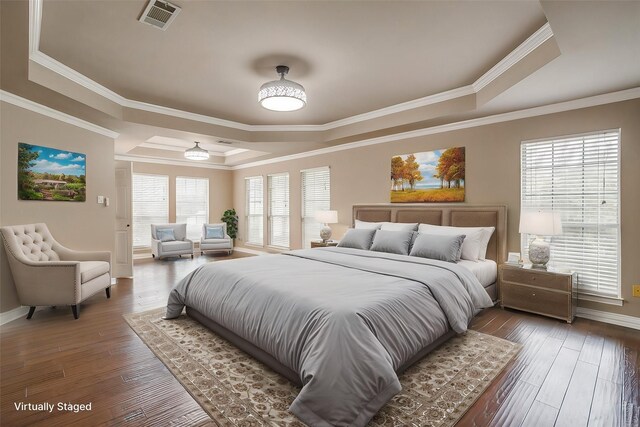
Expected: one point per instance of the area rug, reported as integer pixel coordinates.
(237, 390)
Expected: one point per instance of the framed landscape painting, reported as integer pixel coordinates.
(431, 176)
(50, 174)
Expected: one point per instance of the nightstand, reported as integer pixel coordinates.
(321, 244)
(538, 291)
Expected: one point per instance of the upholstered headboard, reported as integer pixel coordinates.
(453, 215)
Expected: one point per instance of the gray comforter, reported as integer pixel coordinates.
(344, 319)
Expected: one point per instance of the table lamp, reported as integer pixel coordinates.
(540, 223)
(326, 218)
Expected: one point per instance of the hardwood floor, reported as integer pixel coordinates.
(584, 374)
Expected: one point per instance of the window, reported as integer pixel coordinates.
(150, 204)
(578, 176)
(192, 204)
(316, 196)
(254, 210)
(279, 210)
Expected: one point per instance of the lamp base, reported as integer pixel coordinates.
(539, 253)
(325, 233)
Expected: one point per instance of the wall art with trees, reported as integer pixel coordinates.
(50, 174)
(427, 177)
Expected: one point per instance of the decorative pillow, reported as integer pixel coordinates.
(487, 232)
(357, 239)
(441, 247)
(393, 242)
(214, 232)
(399, 226)
(472, 245)
(368, 225)
(165, 234)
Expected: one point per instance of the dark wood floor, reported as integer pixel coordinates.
(585, 374)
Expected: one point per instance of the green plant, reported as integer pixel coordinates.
(230, 217)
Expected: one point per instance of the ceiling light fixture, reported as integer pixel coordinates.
(283, 94)
(196, 153)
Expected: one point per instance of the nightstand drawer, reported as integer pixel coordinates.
(537, 278)
(550, 303)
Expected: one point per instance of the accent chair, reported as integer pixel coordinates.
(170, 240)
(47, 273)
(215, 238)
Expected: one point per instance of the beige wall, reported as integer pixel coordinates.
(361, 175)
(85, 225)
(220, 182)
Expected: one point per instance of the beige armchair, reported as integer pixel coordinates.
(47, 273)
(175, 244)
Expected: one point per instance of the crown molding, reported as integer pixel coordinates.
(591, 101)
(18, 101)
(525, 48)
(35, 21)
(173, 162)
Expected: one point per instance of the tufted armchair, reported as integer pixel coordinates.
(47, 273)
(176, 244)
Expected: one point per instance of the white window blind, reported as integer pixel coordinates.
(150, 205)
(278, 186)
(192, 204)
(254, 210)
(578, 176)
(316, 196)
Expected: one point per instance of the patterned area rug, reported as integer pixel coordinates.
(237, 390)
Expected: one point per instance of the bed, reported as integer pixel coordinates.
(343, 323)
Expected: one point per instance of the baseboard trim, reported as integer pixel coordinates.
(606, 317)
(11, 315)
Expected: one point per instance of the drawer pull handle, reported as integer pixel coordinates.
(533, 295)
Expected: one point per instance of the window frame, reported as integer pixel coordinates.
(196, 234)
(604, 137)
(133, 202)
(247, 211)
(270, 216)
(304, 218)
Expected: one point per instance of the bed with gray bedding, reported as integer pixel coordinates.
(345, 321)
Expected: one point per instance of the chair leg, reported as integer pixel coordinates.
(108, 291)
(31, 310)
(191, 256)
(75, 308)
(153, 256)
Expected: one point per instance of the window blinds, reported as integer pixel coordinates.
(150, 205)
(254, 210)
(192, 204)
(316, 196)
(279, 210)
(579, 177)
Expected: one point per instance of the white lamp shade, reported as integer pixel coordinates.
(327, 217)
(541, 223)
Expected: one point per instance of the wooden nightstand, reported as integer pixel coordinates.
(321, 244)
(538, 291)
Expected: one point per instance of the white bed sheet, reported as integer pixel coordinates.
(486, 271)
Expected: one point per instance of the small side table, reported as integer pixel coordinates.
(321, 244)
(548, 293)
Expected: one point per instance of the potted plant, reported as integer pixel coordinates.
(230, 217)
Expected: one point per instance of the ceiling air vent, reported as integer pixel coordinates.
(225, 142)
(159, 14)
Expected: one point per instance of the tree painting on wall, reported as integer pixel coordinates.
(50, 174)
(432, 176)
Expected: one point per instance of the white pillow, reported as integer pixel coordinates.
(368, 225)
(399, 226)
(487, 233)
(472, 246)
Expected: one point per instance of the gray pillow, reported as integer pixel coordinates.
(393, 242)
(443, 248)
(357, 238)
(165, 234)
